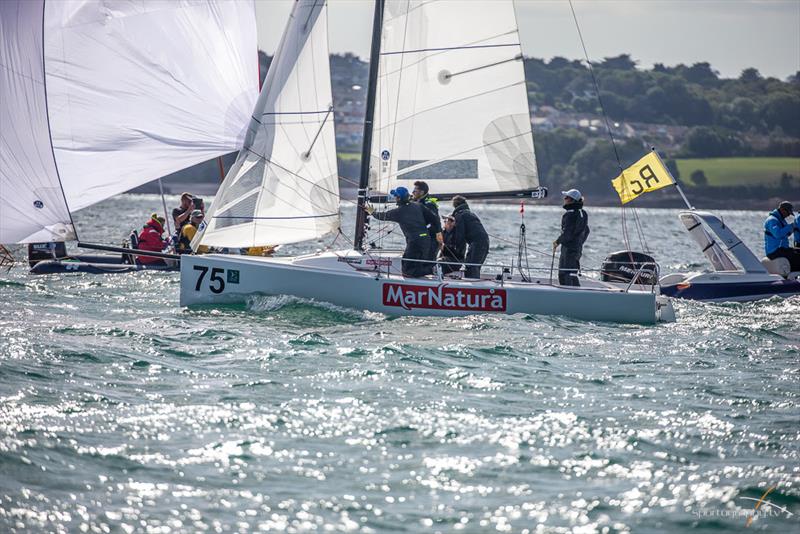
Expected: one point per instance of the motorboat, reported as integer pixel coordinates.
(737, 274)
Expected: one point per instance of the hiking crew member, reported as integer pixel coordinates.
(188, 232)
(776, 235)
(574, 231)
(452, 253)
(150, 238)
(413, 219)
(469, 231)
(420, 195)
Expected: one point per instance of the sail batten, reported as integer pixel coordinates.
(283, 187)
(452, 99)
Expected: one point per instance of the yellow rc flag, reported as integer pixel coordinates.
(647, 174)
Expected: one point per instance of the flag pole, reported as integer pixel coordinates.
(677, 185)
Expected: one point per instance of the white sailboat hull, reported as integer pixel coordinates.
(335, 278)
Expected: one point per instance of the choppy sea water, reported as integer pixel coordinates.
(122, 412)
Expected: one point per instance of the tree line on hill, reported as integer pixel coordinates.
(751, 115)
(681, 95)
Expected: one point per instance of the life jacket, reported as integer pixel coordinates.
(574, 226)
(432, 203)
(185, 238)
(150, 239)
(776, 232)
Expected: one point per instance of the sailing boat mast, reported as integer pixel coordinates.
(366, 148)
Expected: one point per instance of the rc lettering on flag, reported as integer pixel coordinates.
(647, 174)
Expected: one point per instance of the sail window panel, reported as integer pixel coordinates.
(241, 212)
(451, 169)
(32, 205)
(249, 181)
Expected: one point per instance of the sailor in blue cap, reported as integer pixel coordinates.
(413, 219)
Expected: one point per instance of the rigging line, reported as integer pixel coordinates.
(50, 130)
(447, 48)
(296, 112)
(274, 218)
(518, 57)
(457, 101)
(383, 224)
(607, 124)
(315, 184)
(307, 153)
(444, 51)
(596, 85)
(310, 12)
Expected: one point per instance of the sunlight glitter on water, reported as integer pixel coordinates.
(120, 411)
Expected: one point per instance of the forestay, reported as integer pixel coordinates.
(452, 106)
(283, 188)
(138, 90)
(32, 206)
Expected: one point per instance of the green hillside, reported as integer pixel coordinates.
(740, 171)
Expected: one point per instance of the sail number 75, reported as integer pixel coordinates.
(216, 280)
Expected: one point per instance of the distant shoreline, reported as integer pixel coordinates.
(658, 199)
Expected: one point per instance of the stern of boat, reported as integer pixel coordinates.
(665, 311)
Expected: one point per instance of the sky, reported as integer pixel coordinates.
(729, 34)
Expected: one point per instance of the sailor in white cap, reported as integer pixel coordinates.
(574, 231)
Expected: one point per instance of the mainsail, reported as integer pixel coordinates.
(137, 90)
(32, 206)
(452, 105)
(284, 188)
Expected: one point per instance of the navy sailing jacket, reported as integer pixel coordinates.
(413, 219)
(574, 226)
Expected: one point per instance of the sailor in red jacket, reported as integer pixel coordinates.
(150, 239)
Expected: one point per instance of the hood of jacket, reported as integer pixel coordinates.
(155, 225)
(577, 205)
(461, 208)
(777, 214)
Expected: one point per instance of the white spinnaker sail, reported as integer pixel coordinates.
(139, 89)
(32, 206)
(284, 186)
(452, 106)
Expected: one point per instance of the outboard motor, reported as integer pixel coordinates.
(46, 251)
(624, 265)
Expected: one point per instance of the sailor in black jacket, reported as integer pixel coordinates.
(469, 231)
(421, 196)
(452, 252)
(413, 219)
(574, 231)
